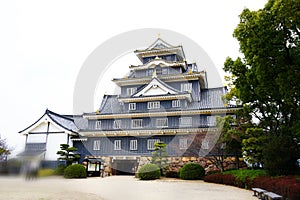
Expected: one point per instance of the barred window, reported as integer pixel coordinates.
(151, 142)
(162, 122)
(132, 106)
(117, 145)
(183, 143)
(153, 105)
(186, 87)
(176, 103)
(98, 125)
(149, 72)
(117, 124)
(185, 121)
(165, 70)
(211, 120)
(137, 123)
(133, 144)
(205, 144)
(96, 145)
(131, 91)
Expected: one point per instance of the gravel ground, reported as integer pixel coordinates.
(115, 188)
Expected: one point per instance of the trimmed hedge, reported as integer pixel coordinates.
(75, 171)
(192, 171)
(286, 186)
(149, 172)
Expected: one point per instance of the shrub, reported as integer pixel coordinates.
(46, 172)
(227, 179)
(192, 171)
(172, 174)
(75, 171)
(286, 186)
(244, 174)
(149, 172)
(60, 170)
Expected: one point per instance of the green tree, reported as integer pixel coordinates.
(266, 78)
(253, 146)
(68, 154)
(159, 155)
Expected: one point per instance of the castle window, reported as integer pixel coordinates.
(176, 103)
(149, 72)
(117, 145)
(131, 91)
(132, 106)
(133, 144)
(186, 87)
(162, 122)
(117, 124)
(183, 144)
(151, 142)
(153, 105)
(205, 144)
(164, 70)
(98, 125)
(96, 145)
(137, 123)
(211, 120)
(185, 121)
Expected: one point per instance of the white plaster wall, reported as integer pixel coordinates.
(54, 128)
(155, 91)
(36, 138)
(53, 144)
(42, 127)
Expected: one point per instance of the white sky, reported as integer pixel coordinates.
(43, 45)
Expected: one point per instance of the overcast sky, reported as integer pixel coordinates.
(43, 45)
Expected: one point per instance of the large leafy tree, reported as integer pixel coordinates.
(266, 78)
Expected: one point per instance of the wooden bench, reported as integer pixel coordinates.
(259, 193)
(271, 196)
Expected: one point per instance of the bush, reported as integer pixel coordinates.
(46, 172)
(60, 170)
(286, 186)
(149, 172)
(75, 171)
(192, 171)
(243, 175)
(172, 174)
(227, 179)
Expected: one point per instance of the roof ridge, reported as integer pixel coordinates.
(59, 115)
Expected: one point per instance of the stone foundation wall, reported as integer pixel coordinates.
(175, 163)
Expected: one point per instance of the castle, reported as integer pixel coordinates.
(165, 99)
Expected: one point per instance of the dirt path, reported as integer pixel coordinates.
(115, 188)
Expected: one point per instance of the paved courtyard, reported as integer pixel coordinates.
(115, 188)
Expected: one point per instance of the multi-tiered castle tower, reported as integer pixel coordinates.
(164, 99)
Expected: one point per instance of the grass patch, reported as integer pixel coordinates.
(46, 172)
(244, 174)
